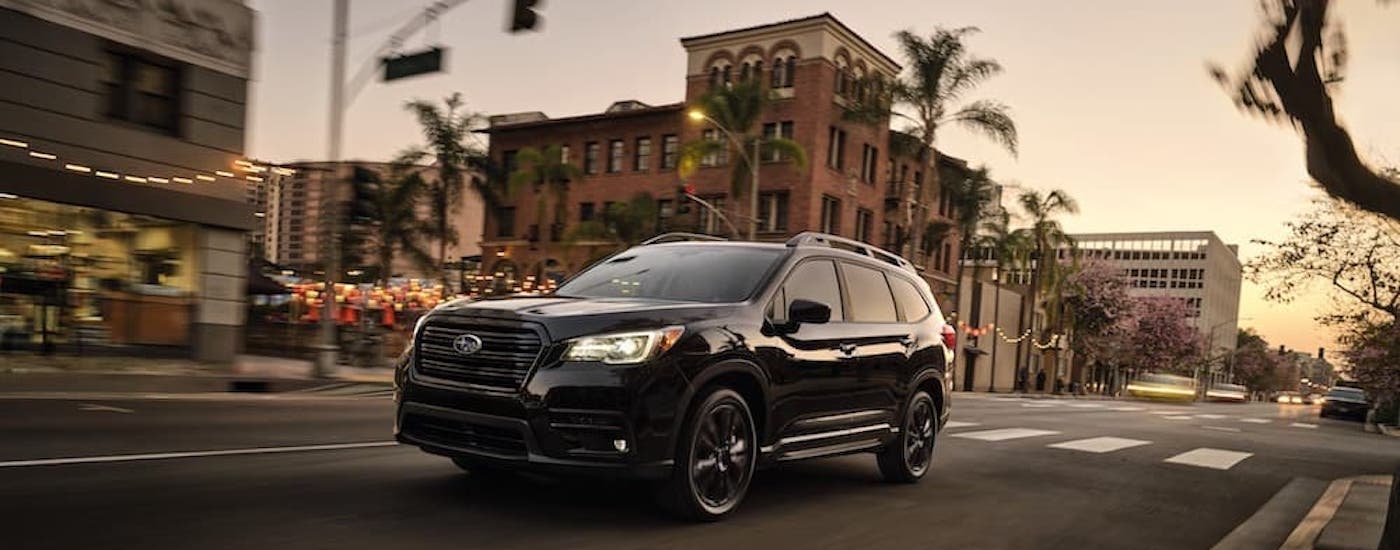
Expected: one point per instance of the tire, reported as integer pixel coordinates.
(909, 457)
(715, 458)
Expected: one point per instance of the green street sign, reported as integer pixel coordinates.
(413, 64)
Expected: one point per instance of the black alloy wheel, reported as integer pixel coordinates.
(908, 458)
(716, 459)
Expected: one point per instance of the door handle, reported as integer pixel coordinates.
(907, 341)
(848, 348)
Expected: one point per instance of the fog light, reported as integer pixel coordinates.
(620, 445)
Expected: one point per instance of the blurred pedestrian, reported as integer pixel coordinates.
(1040, 381)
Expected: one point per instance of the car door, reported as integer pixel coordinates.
(806, 361)
(881, 340)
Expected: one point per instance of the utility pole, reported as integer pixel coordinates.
(330, 203)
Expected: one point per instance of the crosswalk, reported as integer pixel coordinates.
(1203, 457)
(1170, 413)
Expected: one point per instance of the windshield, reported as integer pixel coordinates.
(688, 273)
(1347, 393)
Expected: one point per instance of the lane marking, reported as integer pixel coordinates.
(1036, 405)
(1303, 425)
(1221, 428)
(1128, 409)
(1210, 416)
(1165, 412)
(1100, 444)
(1206, 457)
(1256, 420)
(103, 408)
(192, 454)
(959, 424)
(1178, 417)
(1005, 434)
(1088, 405)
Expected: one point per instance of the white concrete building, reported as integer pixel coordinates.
(1193, 265)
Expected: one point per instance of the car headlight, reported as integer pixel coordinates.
(624, 348)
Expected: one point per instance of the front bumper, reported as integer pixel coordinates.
(566, 419)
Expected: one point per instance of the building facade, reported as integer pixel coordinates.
(1195, 266)
(810, 67)
(293, 222)
(123, 216)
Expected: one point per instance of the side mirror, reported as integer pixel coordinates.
(808, 311)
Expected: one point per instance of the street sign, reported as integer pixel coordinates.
(413, 64)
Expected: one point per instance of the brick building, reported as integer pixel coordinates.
(850, 185)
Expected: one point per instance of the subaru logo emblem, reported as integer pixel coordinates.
(467, 344)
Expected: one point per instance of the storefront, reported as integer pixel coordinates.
(83, 279)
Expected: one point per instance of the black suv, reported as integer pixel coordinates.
(691, 363)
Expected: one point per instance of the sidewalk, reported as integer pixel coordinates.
(1347, 514)
(249, 373)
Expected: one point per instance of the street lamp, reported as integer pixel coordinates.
(700, 116)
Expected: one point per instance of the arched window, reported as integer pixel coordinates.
(843, 76)
(744, 71)
(779, 73)
(714, 77)
(787, 75)
(758, 71)
(728, 75)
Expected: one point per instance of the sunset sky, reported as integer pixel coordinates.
(1112, 98)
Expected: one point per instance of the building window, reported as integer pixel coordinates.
(141, 91)
(714, 159)
(670, 151)
(590, 157)
(947, 257)
(505, 221)
(774, 130)
(641, 155)
(890, 241)
(585, 212)
(773, 212)
(836, 148)
(508, 161)
(665, 210)
(710, 222)
(831, 215)
(564, 154)
(615, 156)
(865, 219)
(869, 158)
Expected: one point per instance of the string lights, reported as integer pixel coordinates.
(184, 179)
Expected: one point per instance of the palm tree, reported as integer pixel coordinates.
(941, 71)
(398, 227)
(1047, 237)
(971, 196)
(548, 175)
(738, 112)
(447, 129)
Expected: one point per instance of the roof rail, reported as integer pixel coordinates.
(815, 238)
(681, 237)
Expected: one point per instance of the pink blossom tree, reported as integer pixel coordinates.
(1159, 338)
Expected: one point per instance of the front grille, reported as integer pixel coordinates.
(458, 434)
(504, 360)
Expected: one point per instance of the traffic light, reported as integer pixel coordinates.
(683, 193)
(524, 17)
(364, 199)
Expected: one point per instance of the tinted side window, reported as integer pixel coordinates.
(909, 299)
(815, 281)
(871, 301)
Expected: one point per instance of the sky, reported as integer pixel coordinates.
(1112, 99)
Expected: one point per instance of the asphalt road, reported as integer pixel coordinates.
(1169, 478)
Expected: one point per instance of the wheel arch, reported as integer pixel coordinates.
(740, 375)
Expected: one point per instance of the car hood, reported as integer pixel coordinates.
(567, 317)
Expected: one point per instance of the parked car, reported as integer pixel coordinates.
(691, 363)
(1290, 398)
(1346, 403)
